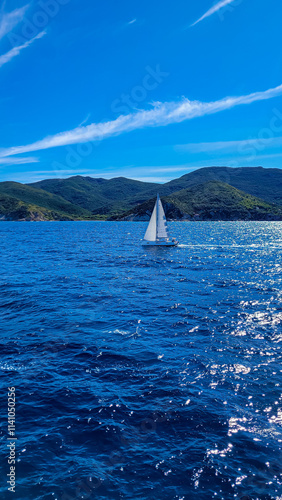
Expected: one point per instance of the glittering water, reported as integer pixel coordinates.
(143, 373)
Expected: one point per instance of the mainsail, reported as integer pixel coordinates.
(151, 233)
(161, 221)
(157, 228)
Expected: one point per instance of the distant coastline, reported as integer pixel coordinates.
(210, 193)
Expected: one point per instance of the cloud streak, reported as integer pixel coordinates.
(230, 146)
(5, 58)
(213, 10)
(162, 114)
(18, 161)
(11, 19)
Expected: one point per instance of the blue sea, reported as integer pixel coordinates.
(150, 374)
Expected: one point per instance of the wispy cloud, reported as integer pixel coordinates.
(162, 114)
(9, 20)
(18, 161)
(5, 58)
(213, 10)
(85, 120)
(228, 146)
(132, 21)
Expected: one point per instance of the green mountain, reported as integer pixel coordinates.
(99, 196)
(216, 193)
(211, 200)
(264, 183)
(220, 201)
(19, 201)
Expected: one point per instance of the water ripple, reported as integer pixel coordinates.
(143, 373)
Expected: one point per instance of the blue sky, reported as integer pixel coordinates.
(147, 90)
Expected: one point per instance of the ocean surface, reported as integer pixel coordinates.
(150, 374)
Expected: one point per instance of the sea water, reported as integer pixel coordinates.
(142, 373)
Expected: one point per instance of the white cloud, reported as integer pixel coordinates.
(132, 21)
(161, 114)
(85, 120)
(60, 172)
(5, 58)
(11, 19)
(263, 157)
(213, 10)
(18, 161)
(207, 147)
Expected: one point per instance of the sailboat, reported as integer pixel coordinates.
(157, 233)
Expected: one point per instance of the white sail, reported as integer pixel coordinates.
(157, 228)
(151, 233)
(161, 221)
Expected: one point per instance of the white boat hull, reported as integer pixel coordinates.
(160, 243)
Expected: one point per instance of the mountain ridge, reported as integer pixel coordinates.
(218, 193)
(212, 200)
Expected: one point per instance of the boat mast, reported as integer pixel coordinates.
(158, 198)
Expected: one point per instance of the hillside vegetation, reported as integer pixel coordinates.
(19, 201)
(211, 193)
(209, 201)
(99, 196)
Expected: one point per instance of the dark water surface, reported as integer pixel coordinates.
(142, 373)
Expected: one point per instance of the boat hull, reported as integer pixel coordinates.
(160, 243)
